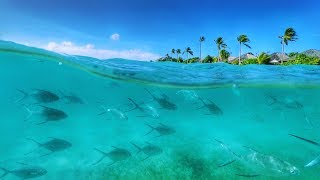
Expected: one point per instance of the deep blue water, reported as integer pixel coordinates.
(212, 120)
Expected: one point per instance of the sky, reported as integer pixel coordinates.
(149, 29)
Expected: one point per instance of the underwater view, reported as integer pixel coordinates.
(159, 90)
(75, 117)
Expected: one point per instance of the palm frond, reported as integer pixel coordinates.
(247, 45)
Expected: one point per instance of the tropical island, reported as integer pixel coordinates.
(309, 57)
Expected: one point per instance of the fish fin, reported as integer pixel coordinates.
(115, 147)
(21, 163)
(104, 153)
(313, 162)
(158, 136)
(204, 103)
(25, 95)
(148, 143)
(248, 175)
(134, 103)
(150, 93)
(152, 128)
(211, 101)
(30, 151)
(200, 107)
(162, 124)
(145, 158)
(304, 139)
(251, 149)
(30, 113)
(6, 172)
(101, 113)
(43, 122)
(45, 107)
(227, 147)
(99, 160)
(112, 163)
(30, 139)
(227, 163)
(136, 146)
(47, 154)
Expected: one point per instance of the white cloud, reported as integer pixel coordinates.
(68, 47)
(115, 37)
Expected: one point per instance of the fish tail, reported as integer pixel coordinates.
(30, 113)
(30, 139)
(201, 100)
(134, 103)
(25, 95)
(149, 93)
(136, 146)
(152, 128)
(6, 172)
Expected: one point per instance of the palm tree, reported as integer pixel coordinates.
(263, 58)
(224, 55)
(289, 35)
(178, 51)
(220, 44)
(243, 39)
(202, 38)
(173, 51)
(188, 51)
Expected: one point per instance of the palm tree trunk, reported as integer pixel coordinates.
(200, 51)
(219, 55)
(282, 51)
(240, 54)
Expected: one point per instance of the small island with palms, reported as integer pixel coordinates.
(309, 57)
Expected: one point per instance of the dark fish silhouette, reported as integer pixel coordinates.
(163, 101)
(116, 155)
(136, 106)
(53, 145)
(149, 150)
(227, 163)
(263, 163)
(248, 175)
(315, 161)
(304, 139)
(293, 104)
(162, 129)
(211, 107)
(147, 110)
(40, 95)
(49, 114)
(26, 172)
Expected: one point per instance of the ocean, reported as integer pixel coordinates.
(73, 117)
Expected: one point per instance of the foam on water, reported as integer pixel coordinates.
(261, 105)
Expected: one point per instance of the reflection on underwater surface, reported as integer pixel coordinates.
(143, 131)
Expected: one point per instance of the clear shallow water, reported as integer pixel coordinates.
(255, 106)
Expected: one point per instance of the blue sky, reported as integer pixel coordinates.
(147, 29)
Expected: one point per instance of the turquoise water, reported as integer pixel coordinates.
(241, 131)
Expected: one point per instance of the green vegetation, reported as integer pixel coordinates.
(221, 44)
(202, 38)
(243, 39)
(289, 35)
(311, 57)
(303, 59)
